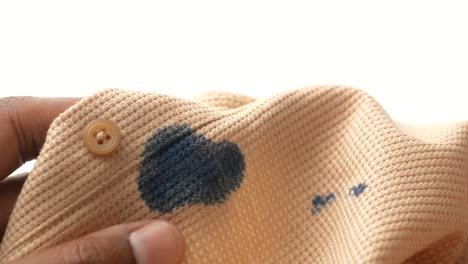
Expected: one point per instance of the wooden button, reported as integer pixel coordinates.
(101, 137)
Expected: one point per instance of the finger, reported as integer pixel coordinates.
(9, 190)
(24, 122)
(142, 243)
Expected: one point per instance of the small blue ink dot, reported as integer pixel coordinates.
(320, 202)
(357, 190)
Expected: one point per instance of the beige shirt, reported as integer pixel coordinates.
(316, 175)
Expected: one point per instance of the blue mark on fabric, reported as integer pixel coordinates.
(320, 202)
(358, 189)
(182, 167)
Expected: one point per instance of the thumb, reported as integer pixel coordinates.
(141, 242)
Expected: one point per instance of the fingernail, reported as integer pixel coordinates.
(158, 242)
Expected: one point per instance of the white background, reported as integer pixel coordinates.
(412, 56)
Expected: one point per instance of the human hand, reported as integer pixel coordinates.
(24, 122)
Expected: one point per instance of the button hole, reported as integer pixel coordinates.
(108, 136)
(100, 141)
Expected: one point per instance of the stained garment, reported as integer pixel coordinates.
(315, 175)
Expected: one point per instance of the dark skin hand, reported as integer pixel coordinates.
(24, 122)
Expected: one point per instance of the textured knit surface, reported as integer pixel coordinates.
(319, 175)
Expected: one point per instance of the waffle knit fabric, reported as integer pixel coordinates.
(315, 175)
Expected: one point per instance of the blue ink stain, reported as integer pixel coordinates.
(320, 202)
(357, 190)
(182, 167)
